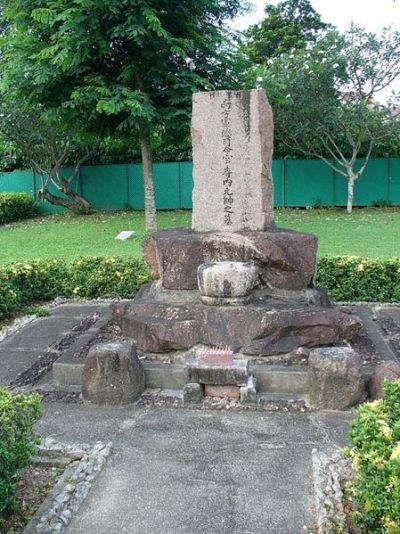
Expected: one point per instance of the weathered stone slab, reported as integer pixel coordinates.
(335, 378)
(232, 135)
(112, 374)
(260, 328)
(285, 259)
(219, 375)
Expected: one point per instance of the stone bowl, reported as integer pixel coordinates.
(227, 279)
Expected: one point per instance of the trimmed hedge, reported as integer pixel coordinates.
(92, 277)
(346, 279)
(16, 206)
(360, 280)
(18, 442)
(375, 437)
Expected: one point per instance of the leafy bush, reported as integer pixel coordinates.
(347, 279)
(375, 436)
(16, 206)
(18, 442)
(354, 279)
(92, 277)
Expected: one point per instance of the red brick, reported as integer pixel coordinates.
(231, 392)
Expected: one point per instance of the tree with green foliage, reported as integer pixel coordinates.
(129, 66)
(291, 24)
(323, 99)
(44, 142)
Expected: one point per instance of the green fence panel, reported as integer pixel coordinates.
(186, 184)
(308, 183)
(297, 183)
(278, 175)
(394, 181)
(16, 182)
(135, 187)
(105, 186)
(166, 185)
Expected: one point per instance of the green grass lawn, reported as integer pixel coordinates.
(369, 233)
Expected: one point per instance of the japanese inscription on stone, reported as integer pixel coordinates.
(232, 134)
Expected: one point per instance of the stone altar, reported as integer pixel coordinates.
(280, 310)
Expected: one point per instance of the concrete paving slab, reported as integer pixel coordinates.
(188, 471)
(14, 362)
(40, 333)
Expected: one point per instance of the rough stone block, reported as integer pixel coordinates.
(112, 374)
(335, 378)
(192, 392)
(285, 259)
(221, 375)
(232, 136)
(389, 371)
(248, 393)
(229, 392)
(262, 328)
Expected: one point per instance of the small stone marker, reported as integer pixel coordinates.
(112, 374)
(232, 135)
(126, 234)
(335, 378)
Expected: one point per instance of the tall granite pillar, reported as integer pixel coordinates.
(232, 134)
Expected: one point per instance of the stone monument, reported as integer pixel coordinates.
(232, 133)
(234, 279)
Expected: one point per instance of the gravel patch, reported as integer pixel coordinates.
(173, 399)
(84, 464)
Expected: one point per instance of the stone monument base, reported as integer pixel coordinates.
(285, 259)
(161, 320)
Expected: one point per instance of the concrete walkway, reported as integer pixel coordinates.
(19, 351)
(187, 471)
(191, 472)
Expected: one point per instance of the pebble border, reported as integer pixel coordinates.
(85, 464)
(16, 325)
(330, 472)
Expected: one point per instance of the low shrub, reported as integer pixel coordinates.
(359, 280)
(18, 442)
(16, 206)
(375, 453)
(346, 279)
(92, 277)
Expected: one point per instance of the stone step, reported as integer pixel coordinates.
(270, 378)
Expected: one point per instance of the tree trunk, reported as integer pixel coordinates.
(57, 201)
(82, 205)
(149, 199)
(350, 193)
